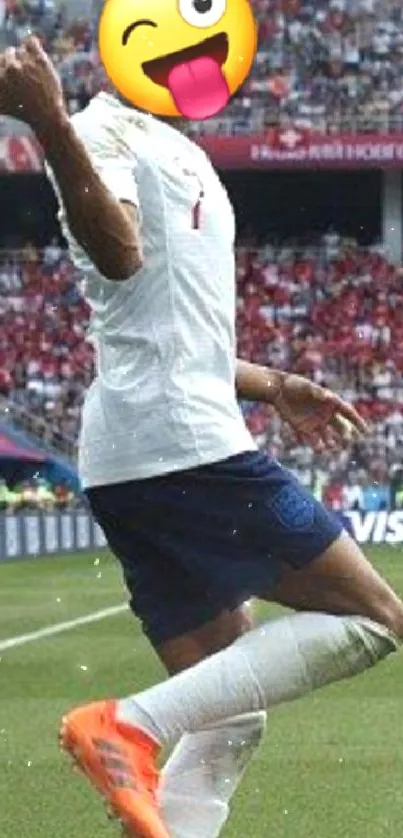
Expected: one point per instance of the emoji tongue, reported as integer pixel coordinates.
(198, 88)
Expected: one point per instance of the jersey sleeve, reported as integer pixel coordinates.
(116, 164)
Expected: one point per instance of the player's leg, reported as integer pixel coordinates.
(206, 767)
(185, 650)
(204, 770)
(279, 662)
(118, 743)
(341, 581)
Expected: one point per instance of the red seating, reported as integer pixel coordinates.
(327, 66)
(334, 313)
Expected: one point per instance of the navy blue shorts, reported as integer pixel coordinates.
(196, 542)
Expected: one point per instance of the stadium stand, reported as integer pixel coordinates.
(45, 363)
(333, 313)
(323, 65)
(331, 310)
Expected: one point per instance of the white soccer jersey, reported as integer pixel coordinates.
(164, 394)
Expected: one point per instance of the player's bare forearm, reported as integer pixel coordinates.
(314, 412)
(31, 90)
(107, 230)
(257, 384)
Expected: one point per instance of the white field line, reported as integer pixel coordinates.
(59, 628)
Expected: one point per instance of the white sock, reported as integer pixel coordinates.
(281, 661)
(203, 773)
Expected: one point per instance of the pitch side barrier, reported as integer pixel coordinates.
(31, 534)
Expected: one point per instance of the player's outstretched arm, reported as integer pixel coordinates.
(106, 229)
(317, 416)
(257, 384)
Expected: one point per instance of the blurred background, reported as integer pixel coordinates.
(311, 152)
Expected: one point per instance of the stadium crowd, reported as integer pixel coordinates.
(44, 362)
(35, 494)
(332, 311)
(323, 65)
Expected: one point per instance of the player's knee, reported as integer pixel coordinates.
(380, 604)
(388, 612)
(371, 596)
(377, 639)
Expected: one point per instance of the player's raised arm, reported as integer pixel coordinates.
(105, 227)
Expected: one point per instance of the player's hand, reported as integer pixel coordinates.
(317, 416)
(30, 88)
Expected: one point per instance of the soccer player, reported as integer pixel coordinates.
(199, 519)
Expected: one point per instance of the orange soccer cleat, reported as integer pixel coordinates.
(119, 760)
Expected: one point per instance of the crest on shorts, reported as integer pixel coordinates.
(293, 508)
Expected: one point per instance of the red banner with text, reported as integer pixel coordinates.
(277, 149)
(292, 149)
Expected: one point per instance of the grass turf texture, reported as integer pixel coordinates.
(331, 766)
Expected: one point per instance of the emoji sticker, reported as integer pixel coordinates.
(178, 57)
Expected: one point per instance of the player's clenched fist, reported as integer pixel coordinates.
(30, 88)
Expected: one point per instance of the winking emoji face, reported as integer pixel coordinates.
(178, 57)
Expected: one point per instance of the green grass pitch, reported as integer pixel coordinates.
(331, 765)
